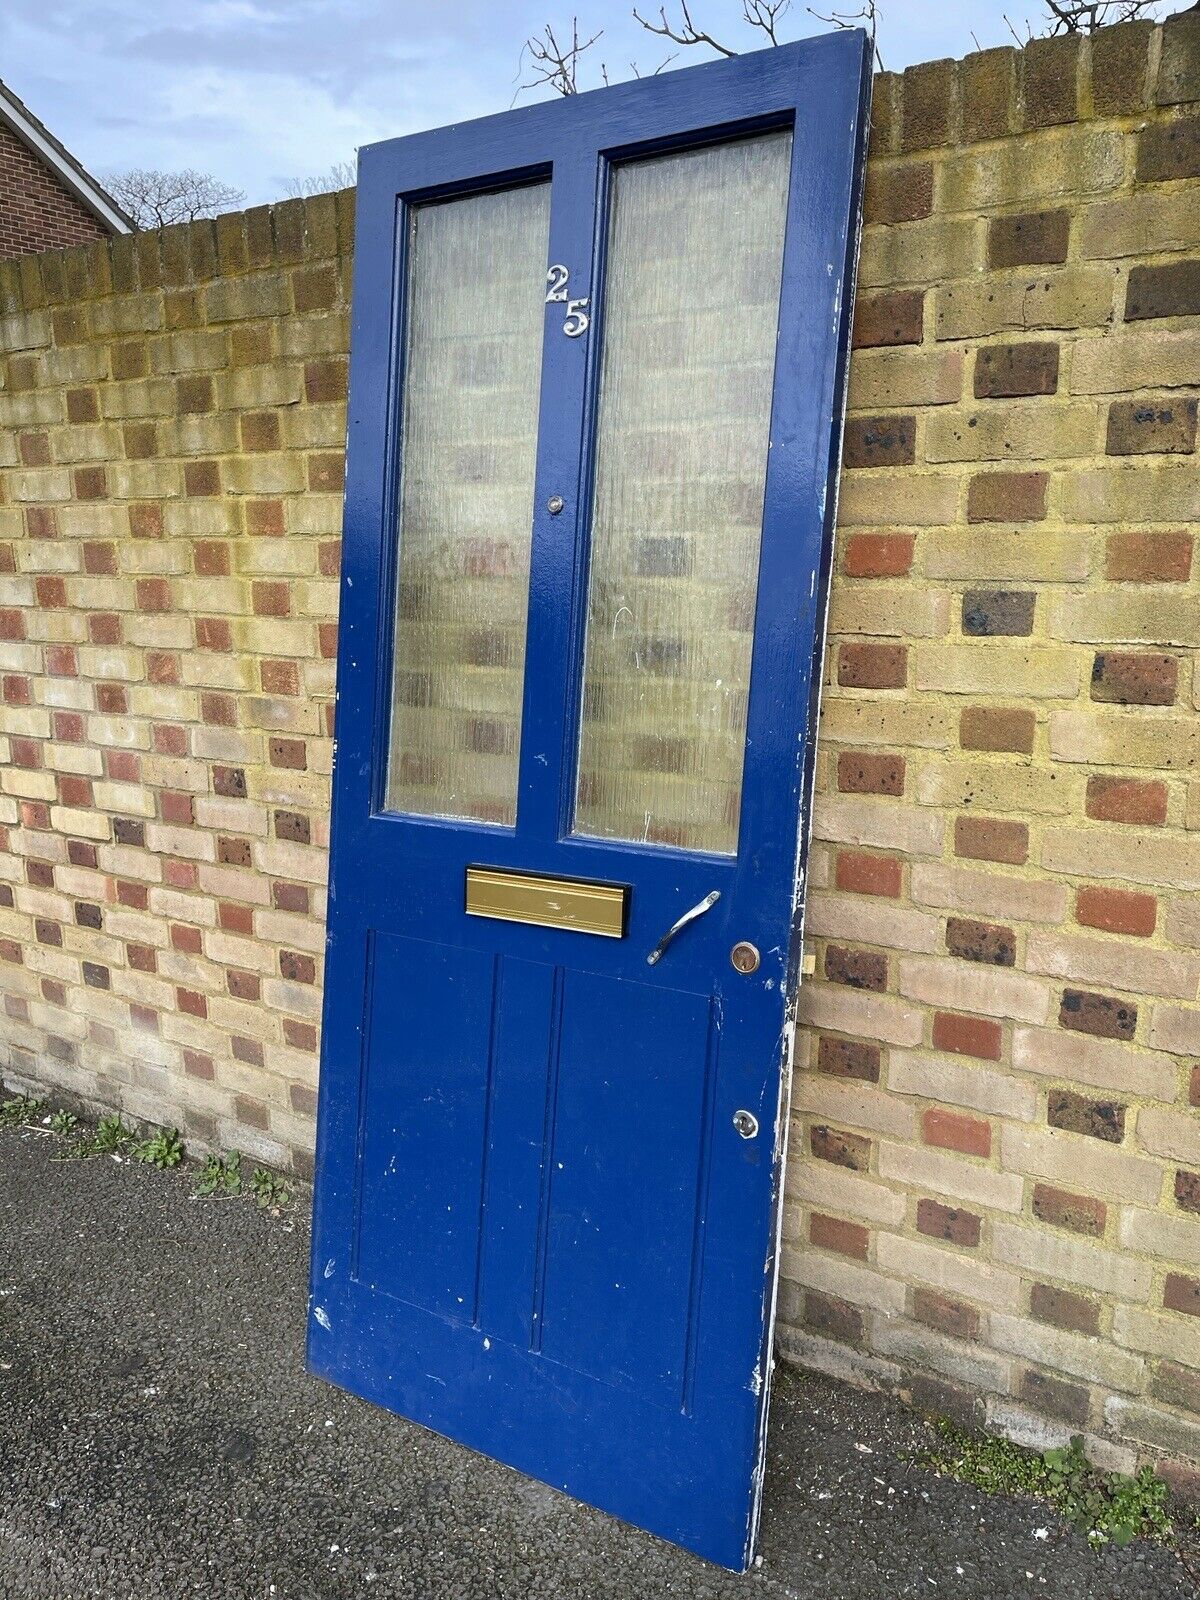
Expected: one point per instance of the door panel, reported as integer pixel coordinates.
(472, 374)
(691, 306)
(424, 1119)
(601, 336)
(625, 1167)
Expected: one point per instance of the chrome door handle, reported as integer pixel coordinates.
(678, 926)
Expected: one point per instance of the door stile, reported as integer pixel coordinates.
(556, 562)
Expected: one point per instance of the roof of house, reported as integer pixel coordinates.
(61, 162)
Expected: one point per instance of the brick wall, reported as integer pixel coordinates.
(36, 212)
(994, 1194)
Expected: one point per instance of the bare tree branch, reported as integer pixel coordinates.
(1087, 16)
(339, 175)
(552, 63)
(685, 32)
(156, 199)
(867, 16)
(764, 14)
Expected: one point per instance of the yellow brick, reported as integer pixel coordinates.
(885, 378)
(1140, 225)
(1027, 431)
(1065, 297)
(1034, 556)
(963, 986)
(879, 824)
(1116, 739)
(1032, 173)
(1117, 362)
(1012, 787)
(889, 611)
(989, 668)
(921, 252)
(1161, 493)
(1123, 618)
(897, 499)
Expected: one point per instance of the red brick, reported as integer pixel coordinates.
(873, 666)
(951, 1130)
(1007, 497)
(1116, 910)
(955, 1226)
(1132, 800)
(831, 1233)
(1103, 1015)
(848, 1058)
(866, 874)
(1077, 1113)
(1182, 1294)
(868, 772)
(1079, 1213)
(1148, 557)
(859, 969)
(949, 1316)
(981, 941)
(1035, 238)
(272, 599)
(896, 318)
(832, 1317)
(1134, 679)
(901, 192)
(991, 839)
(967, 1036)
(997, 728)
(840, 1148)
(879, 555)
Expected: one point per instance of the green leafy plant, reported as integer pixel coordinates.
(221, 1175)
(163, 1150)
(16, 1112)
(109, 1137)
(1109, 1507)
(268, 1188)
(62, 1121)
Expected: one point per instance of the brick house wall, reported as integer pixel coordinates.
(993, 1195)
(36, 211)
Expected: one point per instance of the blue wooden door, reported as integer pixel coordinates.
(598, 357)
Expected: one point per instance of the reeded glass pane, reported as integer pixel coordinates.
(476, 293)
(690, 317)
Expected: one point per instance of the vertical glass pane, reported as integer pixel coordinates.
(476, 293)
(690, 318)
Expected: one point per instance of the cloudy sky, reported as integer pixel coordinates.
(262, 91)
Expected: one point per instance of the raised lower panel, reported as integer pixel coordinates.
(622, 1211)
(424, 1123)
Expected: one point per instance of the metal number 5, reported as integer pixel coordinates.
(577, 319)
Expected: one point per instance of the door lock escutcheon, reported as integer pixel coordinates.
(745, 957)
(746, 1124)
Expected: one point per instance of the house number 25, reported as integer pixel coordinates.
(576, 320)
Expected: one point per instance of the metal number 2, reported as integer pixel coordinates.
(576, 320)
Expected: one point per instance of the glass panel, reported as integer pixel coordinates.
(476, 293)
(690, 316)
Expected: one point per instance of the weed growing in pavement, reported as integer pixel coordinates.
(221, 1175)
(163, 1150)
(111, 1136)
(19, 1110)
(268, 1188)
(1109, 1507)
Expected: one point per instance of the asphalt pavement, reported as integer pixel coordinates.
(160, 1438)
